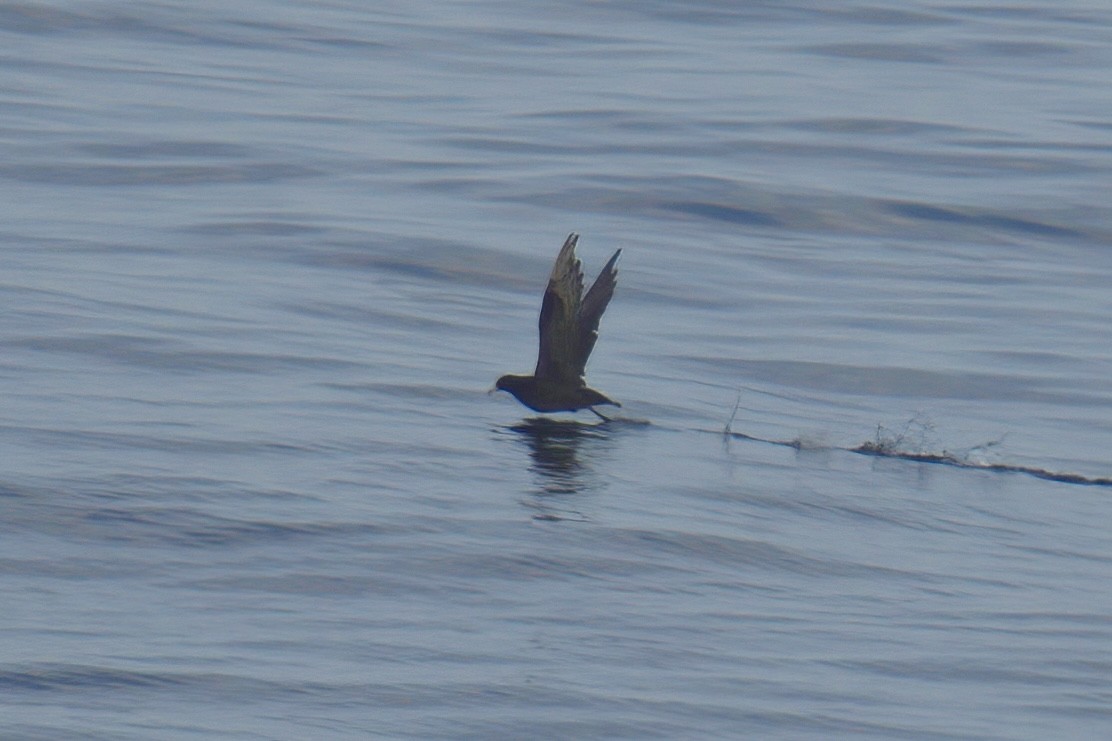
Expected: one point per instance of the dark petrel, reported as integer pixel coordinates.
(569, 328)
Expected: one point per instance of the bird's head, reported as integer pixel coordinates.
(510, 383)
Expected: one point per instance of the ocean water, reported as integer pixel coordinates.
(260, 264)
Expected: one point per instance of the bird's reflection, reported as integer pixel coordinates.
(560, 451)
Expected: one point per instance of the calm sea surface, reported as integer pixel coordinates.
(261, 262)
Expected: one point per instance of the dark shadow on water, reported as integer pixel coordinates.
(561, 453)
(554, 447)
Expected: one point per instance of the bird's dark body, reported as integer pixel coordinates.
(568, 329)
(546, 396)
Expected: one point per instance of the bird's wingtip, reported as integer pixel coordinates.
(612, 261)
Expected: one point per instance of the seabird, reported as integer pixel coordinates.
(568, 330)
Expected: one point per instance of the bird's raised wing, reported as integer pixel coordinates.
(569, 321)
(558, 326)
(590, 311)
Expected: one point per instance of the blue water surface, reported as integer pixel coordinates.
(261, 262)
